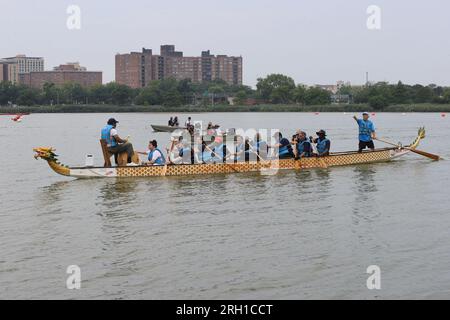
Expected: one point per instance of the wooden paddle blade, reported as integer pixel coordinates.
(426, 154)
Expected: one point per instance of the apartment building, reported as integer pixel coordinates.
(138, 69)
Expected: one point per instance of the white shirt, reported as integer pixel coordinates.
(156, 155)
(112, 133)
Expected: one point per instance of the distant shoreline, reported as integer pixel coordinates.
(222, 108)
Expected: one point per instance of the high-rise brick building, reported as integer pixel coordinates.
(137, 69)
(9, 71)
(134, 69)
(12, 68)
(71, 72)
(2, 72)
(19, 65)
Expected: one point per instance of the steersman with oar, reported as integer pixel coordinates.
(366, 132)
(431, 156)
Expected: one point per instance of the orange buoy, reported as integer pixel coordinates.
(17, 118)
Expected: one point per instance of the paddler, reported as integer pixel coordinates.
(210, 130)
(260, 146)
(207, 153)
(366, 132)
(183, 153)
(283, 145)
(239, 149)
(114, 143)
(155, 156)
(323, 144)
(303, 148)
(220, 150)
(188, 123)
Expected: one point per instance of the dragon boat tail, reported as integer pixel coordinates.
(333, 160)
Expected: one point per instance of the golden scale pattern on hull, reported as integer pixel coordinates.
(253, 166)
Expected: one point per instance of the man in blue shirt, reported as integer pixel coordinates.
(115, 144)
(302, 144)
(366, 132)
(323, 144)
(283, 146)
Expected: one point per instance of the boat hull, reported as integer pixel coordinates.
(158, 128)
(266, 167)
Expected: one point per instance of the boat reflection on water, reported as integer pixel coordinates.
(116, 194)
(365, 188)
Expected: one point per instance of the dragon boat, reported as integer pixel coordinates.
(333, 160)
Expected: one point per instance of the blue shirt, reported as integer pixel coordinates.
(366, 128)
(285, 147)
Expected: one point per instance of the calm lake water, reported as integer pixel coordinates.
(295, 235)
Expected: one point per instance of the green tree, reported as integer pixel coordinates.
(8, 92)
(150, 95)
(400, 94)
(446, 95)
(170, 95)
(300, 94)
(50, 93)
(276, 88)
(378, 102)
(240, 97)
(99, 94)
(28, 96)
(317, 96)
(120, 94)
(422, 94)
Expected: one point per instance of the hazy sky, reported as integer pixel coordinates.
(315, 42)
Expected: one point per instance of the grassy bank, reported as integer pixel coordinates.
(224, 108)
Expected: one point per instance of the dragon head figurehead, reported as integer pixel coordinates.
(420, 136)
(45, 154)
(49, 155)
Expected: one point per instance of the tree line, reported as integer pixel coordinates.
(273, 89)
(383, 94)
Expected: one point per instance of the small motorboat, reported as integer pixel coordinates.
(161, 128)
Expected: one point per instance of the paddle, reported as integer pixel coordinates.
(164, 170)
(319, 158)
(259, 157)
(422, 153)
